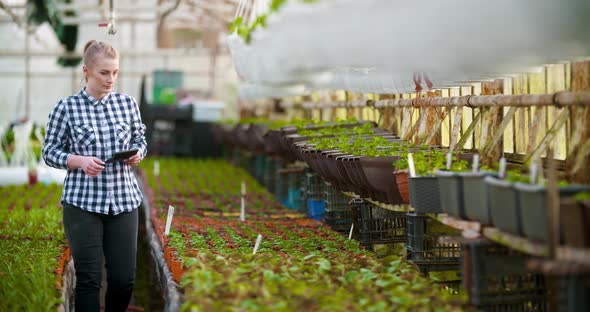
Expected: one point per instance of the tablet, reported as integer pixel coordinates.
(122, 155)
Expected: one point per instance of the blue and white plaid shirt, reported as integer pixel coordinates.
(82, 125)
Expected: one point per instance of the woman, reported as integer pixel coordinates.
(99, 199)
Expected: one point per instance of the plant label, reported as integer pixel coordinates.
(350, 234)
(243, 188)
(411, 165)
(157, 168)
(257, 244)
(243, 209)
(502, 171)
(169, 220)
(476, 163)
(534, 169)
(449, 160)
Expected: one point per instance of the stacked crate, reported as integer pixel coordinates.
(338, 212)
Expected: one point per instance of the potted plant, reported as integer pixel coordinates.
(533, 206)
(475, 194)
(451, 188)
(504, 205)
(423, 187)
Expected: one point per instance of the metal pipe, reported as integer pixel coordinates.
(558, 99)
(524, 100)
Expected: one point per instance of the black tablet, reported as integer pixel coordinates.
(122, 155)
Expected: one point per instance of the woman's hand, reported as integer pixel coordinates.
(91, 165)
(133, 160)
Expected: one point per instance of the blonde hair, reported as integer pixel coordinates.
(93, 48)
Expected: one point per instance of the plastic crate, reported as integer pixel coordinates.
(375, 225)
(338, 212)
(496, 279)
(424, 247)
(282, 186)
(270, 173)
(259, 168)
(574, 294)
(314, 187)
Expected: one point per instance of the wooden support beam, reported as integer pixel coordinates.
(580, 83)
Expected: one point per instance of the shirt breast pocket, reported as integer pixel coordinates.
(85, 135)
(123, 133)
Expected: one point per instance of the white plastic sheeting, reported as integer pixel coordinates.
(380, 45)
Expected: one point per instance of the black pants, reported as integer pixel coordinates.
(92, 235)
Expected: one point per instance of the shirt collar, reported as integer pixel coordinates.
(93, 100)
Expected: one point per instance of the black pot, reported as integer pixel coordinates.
(424, 194)
(451, 193)
(504, 205)
(533, 206)
(475, 197)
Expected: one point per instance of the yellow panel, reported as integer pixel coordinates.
(467, 117)
(520, 86)
(340, 113)
(445, 128)
(556, 81)
(365, 113)
(315, 114)
(398, 116)
(453, 92)
(507, 139)
(537, 85)
(377, 116)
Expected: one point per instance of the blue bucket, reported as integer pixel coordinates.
(316, 209)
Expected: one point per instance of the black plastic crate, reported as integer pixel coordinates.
(574, 293)
(424, 247)
(338, 211)
(335, 196)
(496, 279)
(269, 174)
(375, 225)
(282, 185)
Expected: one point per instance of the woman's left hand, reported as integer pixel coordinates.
(133, 160)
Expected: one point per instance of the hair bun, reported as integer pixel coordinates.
(88, 44)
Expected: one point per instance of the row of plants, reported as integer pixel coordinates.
(33, 245)
(206, 188)
(18, 195)
(301, 264)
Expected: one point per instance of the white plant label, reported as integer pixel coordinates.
(243, 203)
(350, 234)
(157, 168)
(169, 220)
(449, 161)
(502, 171)
(476, 163)
(258, 240)
(411, 165)
(243, 209)
(534, 172)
